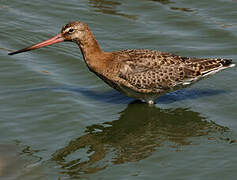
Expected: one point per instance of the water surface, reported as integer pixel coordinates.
(58, 120)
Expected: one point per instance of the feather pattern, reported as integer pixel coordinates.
(150, 71)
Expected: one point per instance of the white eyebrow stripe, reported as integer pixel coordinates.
(66, 30)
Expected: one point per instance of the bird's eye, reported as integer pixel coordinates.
(71, 30)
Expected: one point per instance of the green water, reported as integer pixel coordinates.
(59, 121)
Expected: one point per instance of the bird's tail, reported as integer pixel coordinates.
(213, 66)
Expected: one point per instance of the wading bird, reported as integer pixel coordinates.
(139, 73)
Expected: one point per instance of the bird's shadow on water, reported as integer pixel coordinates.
(139, 131)
(115, 97)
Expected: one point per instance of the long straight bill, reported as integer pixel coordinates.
(56, 39)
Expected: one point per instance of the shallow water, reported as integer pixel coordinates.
(58, 120)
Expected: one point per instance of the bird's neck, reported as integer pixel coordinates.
(94, 57)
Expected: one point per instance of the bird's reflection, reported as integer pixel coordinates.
(140, 130)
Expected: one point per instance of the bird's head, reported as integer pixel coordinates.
(74, 31)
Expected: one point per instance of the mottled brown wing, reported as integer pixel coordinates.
(151, 79)
(145, 69)
(153, 70)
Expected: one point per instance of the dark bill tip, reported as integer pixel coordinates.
(19, 51)
(11, 53)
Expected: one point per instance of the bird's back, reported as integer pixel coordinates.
(150, 71)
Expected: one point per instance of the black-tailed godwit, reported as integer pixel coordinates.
(139, 73)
